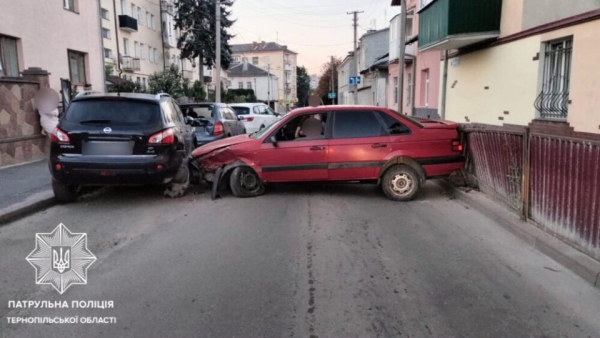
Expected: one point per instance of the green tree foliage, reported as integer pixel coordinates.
(325, 81)
(170, 81)
(240, 96)
(108, 69)
(303, 85)
(125, 87)
(196, 19)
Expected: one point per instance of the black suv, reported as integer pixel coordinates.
(119, 139)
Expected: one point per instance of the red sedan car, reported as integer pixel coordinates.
(335, 143)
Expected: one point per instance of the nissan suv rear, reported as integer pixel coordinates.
(120, 139)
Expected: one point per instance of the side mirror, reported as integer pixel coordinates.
(189, 120)
(273, 140)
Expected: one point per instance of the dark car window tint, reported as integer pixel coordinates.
(394, 127)
(177, 112)
(241, 110)
(356, 124)
(201, 112)
(117, 112)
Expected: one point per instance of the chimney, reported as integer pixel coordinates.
(244, 64)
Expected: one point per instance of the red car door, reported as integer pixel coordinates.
(302, 158)
(359, 143)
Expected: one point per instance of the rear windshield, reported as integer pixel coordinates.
(113, 112)
(202, 112)
(241, 110)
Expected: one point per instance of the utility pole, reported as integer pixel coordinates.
(269, 84)
(401, 54)
(355, 25)
(332, 82)
(118, 63)
(218, 50)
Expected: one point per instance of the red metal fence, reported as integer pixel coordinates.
(546, 171)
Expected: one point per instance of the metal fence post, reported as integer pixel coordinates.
(525, 189)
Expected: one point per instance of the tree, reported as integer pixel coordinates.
(197, 22)
(108, 69)
(303, 85)
(169, 81)
(325, 81)
(125, 87)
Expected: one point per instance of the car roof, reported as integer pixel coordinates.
(202, 104)
(247, 105)
(340, 108)
(134, 96)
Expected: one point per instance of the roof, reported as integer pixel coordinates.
(246, 70)
(372, 32)
(247, 105)
(136, 96)
(259, 47)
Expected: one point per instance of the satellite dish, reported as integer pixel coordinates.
(46, 100)
(314, 101)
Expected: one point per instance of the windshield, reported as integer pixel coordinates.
(113, 112)
(411, 119)
(264, 131)
(241, 110)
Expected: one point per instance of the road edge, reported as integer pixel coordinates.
(571, 258)
(32, 204)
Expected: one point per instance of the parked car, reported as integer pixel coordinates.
(256, 116)
(212, 121)
(106, 139)
(369, 144)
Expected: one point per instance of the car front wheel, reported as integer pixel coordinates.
(401, 183)
(244, 182)
(64, 193)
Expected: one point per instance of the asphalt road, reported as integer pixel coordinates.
(301, 261)
(21, 181)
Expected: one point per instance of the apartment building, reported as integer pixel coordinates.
(139, 39)
(372, 50)
(247, 76)
(276, 59)
(515, 61)
(60, 37)
(346, 70)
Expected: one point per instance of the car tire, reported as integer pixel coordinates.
(180, 184)
(401, 183)
(64, 193)
(244, 182)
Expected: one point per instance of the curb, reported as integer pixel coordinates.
(32, 204)
(579, 263)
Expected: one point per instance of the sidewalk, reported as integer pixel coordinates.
(23, 187)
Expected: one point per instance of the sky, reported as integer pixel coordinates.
(315, 29)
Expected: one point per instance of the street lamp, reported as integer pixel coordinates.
(218, 4)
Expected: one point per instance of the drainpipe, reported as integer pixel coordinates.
(119, 70)
(162, 34)
(444, 87)
(414, 81)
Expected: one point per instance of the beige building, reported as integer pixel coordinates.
(542, 65)
(60, 37)
(276, 59)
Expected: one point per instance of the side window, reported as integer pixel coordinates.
(303, 127)
(256, 111)
(233, 114)
(262, 110)
(227, 114)
(167, 109)
(178, 116)
(394, 127)
(355, 124)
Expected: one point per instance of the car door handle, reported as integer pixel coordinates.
(317, 148)
(379, 145)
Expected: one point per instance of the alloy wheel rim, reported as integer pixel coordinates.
(402, 184)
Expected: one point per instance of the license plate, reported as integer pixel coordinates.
(99, 148)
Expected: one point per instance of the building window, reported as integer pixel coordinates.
(425, 88)
(142, 47)
(249, 85)
(77, 67)
(240, 85)
(409, 23)
(133, 11)
(395, 90)
(107, 53)
(409, 89)
(105, 33)
(136, 49)
(154, 55)
(105, 14)
(236, 59)
(123, 7)
(148, 23)
(70, 5)
(144, 82)
(553, 100)
(125, 46)
(9, 61)
(151, 24)
(139, 16)
(150, 54)
(255, 60)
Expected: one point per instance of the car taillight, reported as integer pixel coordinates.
(249, 119)
(457, 146)
(59, 136)
(166, 136)
(218, 128)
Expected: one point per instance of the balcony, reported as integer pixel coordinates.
(207, 79)
(287, 66)
(129, 64)
(455, 24)
(167, 7)
(128, 23)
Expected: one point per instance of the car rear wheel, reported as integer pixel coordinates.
(180, 184)
(244, 182)
(64, 193)
(401, 183)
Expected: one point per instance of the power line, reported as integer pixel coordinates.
(297, 44)
(290, 22)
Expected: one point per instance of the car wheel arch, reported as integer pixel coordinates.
(402, 159)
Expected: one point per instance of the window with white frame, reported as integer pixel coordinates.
(138, 14)
(142, 47)
(125, 46)
(148, 18)
(410, 15)
(104, 13)
(107, 53)
(425, 88)
(123, 7)
(70, 5)
(249, 85)
(105, 33)
(240, 85)
(155, 55)
(553, 99)
(151, 25)
(255, 60)
(9, 60)
(409, 89)
(133, 11)
(395, 90)
(150, 58)
(136, 49)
